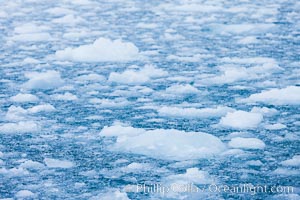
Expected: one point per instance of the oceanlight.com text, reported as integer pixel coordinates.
(212, 188)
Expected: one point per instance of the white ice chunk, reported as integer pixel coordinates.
(264, 111)
(24, 98)
(30, 60)
(232, 73)
(91, 77)
(284, 96)
(132, 76)
(182, 89)
(108, 103)
(14, 172)
(165, 144)
(276, 126)
(23, 194)
(286, 172)
(69, 19)
(16, 113)
(100, 51)
(246, 143)
(20, 127)
(243, 28)
(43, 80)
(30, 28)
(55, 163)
(293, 162)
(31, 37)
(194, 112)
(59, 11)
(190, 7)
(65, 97)
(41, 108)
(248, 40)
(29, 164)
(256, 163)
(192, 175)
(119, 130)
(241, 120)
(111, 195)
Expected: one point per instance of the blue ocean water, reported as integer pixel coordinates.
(222, 34)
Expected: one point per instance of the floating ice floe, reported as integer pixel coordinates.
(277, 126)
(29, 164)
(293, 162)
(91, 77)
(256, 163)
(184, 186)
(14, 172)
(248, 40)
(285, 96)
(64, 97)
(24, 194)
(286, 172)
(257, 28)
(233, 73)
(182, 89)
(30, 60)
(246, 143)
(69, 19)
(192, 175)
(102, 50)
(59, 11)
(43, 80)
(41, 108)
(19, 127)
(164, 144)
(132, 76)
(108, 103)
(241, 120)
(55, 163)
(16, 113)
(190, 7)
(31, 32)
(111, 195)
(194, 112)
(264, 111)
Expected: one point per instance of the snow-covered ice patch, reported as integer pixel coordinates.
(293, 162)
(111, 195)
(110, 103)
(246, 143)
(243, 28)
(19, 127)
(182, 89)
(41, 108)
(29, 164)
(102, 50)
(165, 144)
(132, 76)
(241, 120)
(194, 112)
(43, 80)
(285, 96)
(192, 175)
(277, 126)
(91, 77)
(55, 163)
(24, 194)
(64, 97)
(21, 98)
(16, 113)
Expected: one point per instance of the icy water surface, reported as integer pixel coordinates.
(98, 98)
